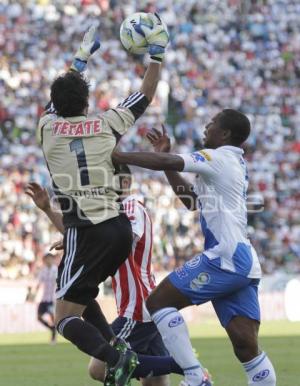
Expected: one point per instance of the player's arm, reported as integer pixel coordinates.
(167, 162)
(127, 112)
(88, 46)
(170, 164)
(181, 187)
(149, 160)
(41, 199)
(199, 162)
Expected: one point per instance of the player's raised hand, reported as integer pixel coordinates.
(88, 46)
(39, 195)
(157, 37)
(160, 141)
(57, 245)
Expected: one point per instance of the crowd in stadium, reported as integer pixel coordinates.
(218, 57)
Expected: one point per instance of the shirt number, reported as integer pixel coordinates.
(77, 146)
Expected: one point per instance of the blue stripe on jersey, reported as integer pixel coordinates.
(209, 239)
(242, 259)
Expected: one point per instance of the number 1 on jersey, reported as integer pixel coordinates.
(77, 146)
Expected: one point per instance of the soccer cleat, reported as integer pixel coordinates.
(120, 374)
(207, 381)
(119, 344)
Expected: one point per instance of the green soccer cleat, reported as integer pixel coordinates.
(119, 344)
(120, 374)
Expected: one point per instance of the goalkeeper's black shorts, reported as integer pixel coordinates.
(91, 254)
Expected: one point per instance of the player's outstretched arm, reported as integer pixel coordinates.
(181, 187)
(157, 39)
(150, 81)
(41, 199)
(89, 45)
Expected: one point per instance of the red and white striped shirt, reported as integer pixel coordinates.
(134, 281)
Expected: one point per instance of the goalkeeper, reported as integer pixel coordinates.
(97, 238)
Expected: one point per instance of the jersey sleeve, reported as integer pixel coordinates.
(204, 162)
(126, 113)
(47, 115)
(136, 216)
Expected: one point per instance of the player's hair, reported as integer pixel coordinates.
(69, 94)
(124, 169)
(237, 123)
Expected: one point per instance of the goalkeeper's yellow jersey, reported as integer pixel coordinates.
(78, 155)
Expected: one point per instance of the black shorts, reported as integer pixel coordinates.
(143, 337)
(91, 254)
(46, 308)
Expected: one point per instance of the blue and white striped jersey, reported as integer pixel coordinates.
(221, 185)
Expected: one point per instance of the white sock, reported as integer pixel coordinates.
(260, 371)
(174, 332)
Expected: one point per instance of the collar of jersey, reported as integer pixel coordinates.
(234, 149)
(75, 119)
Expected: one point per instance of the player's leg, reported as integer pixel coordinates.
(155, 346)
(42, 311)
(50, 311)
(81, 333)
(162, 380)
(120, 325)
(164, 303)
(240, 315)
(94, 315)
(96, 369)
(243, 333)
(140, 337)
(90, 256)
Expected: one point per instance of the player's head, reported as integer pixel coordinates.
(48, 259)
(229, 127)
(69, 94)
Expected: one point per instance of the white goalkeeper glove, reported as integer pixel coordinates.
(88, 46)
(157, 38)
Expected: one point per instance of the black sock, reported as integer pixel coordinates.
(155, 366)
(94, 315)
(88, 339)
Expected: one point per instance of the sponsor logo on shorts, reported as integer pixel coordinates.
(261, 375)
(194, 262)
(181, 272)
(175, 321)
(202, 279)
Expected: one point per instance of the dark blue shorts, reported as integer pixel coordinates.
(143, 338)
(46, 308)
(231, 294)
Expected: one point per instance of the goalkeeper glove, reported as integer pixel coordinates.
(158, 38)
(88, 46)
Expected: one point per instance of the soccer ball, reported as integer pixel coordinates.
(132, 32)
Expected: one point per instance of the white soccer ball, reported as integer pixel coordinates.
(133, 31)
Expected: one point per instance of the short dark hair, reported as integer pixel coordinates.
(237, 123)
(69, 94)
(124, 169)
